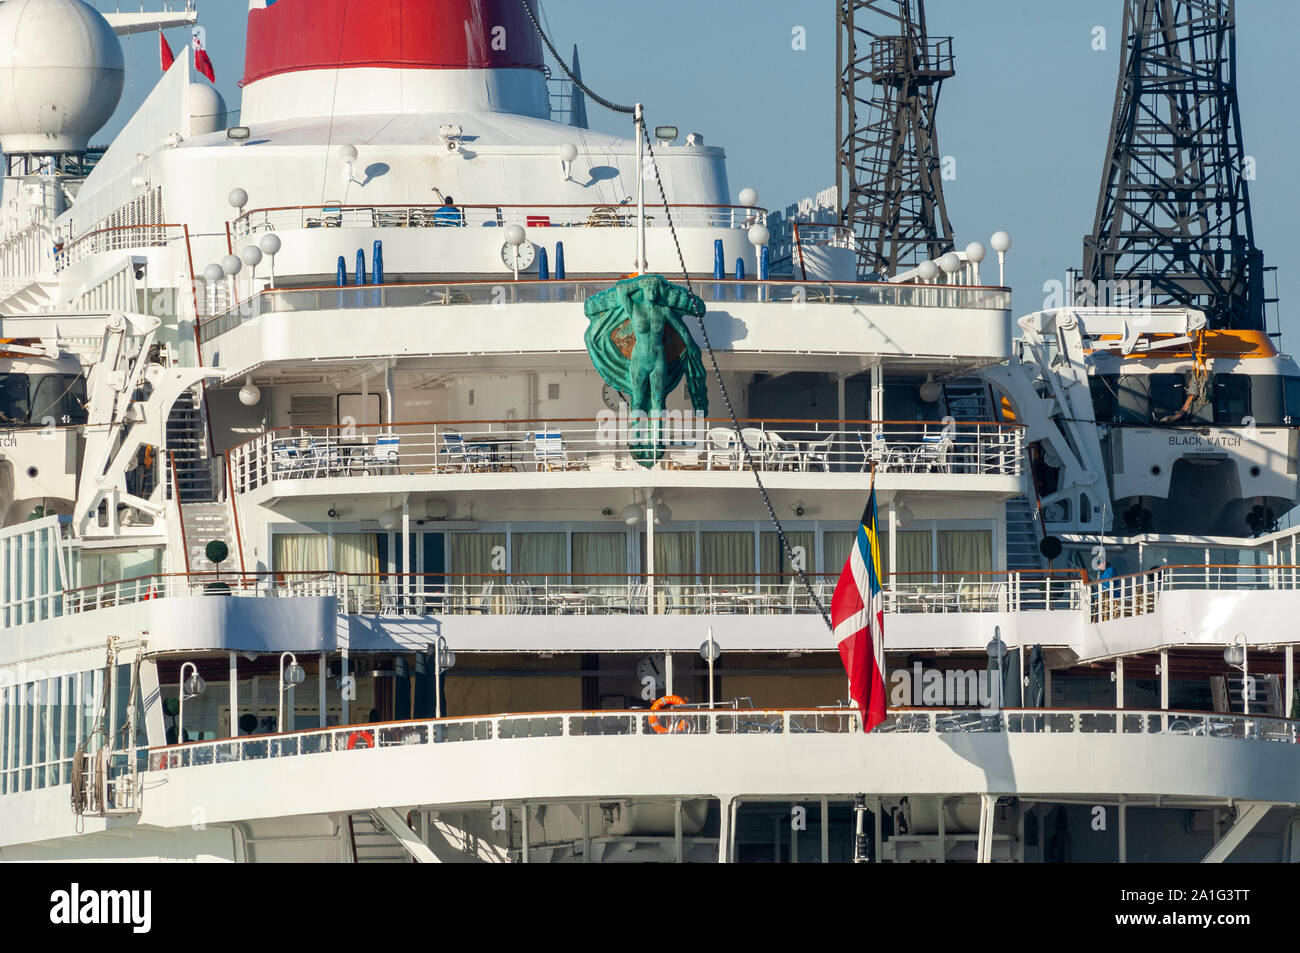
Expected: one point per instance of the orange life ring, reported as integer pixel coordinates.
(364, 738)
(667, 701)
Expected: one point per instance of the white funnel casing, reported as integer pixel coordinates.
(61, 74)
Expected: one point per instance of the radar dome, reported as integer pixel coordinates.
(61, 73)
(207, 110)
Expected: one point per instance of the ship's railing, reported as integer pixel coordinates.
(612, 442)
(331, 215)
(1124, 597)
(666, 724)
(176, 585)
(436, 295)
(562, 594)
(120, 238)
(570, 593)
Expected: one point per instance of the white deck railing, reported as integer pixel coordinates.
(1138, 594)
(437, 295)
(610, 444)
(668, 723)
(563, 594)
(337, 215)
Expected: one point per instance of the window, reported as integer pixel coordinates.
(59, 397)
(1132, 399)
(1291, 400)
(15, 407)
(1103, 390)
(1231, 399)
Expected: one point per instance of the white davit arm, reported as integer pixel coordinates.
(125, 24)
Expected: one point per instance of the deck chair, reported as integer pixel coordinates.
(383, 455)
(932, 454)
(482, 602)
(549, 453)
(759, 445)
(818, 453)
(720, 450)
(461, 458)
(785, 453)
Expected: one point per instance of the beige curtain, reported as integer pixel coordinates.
(358, 553)
(773, 562)
(836, 547)
(300, 552)
(915, 555)
(471, 556)
(596, 555)
(727, 558)
(536, 558)
(674, 568)
(965, 550)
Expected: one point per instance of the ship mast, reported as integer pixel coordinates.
(887, 158)
(1173, 221)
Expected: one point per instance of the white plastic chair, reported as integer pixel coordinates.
(759, 446)
(932, 454)
(819, 453)
(721, 449)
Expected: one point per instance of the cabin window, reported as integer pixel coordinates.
(59, 397)
(1231, 399)
(1291, 400)
(15, 407)
(1103, 398)
(1133, 399)
(1169, 401)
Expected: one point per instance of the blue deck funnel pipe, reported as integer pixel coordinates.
(361, 267)
(377, 263)
(719, 266)
(740, 276)
(764, 264)
(343, 271)
(543, 265)
(559, 261)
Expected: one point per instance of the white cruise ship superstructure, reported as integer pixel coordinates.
(325, 539)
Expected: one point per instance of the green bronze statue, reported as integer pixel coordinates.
(642, 348)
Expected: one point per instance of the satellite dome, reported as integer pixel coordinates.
(207, 110)
(61, 73)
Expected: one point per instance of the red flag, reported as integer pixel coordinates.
(203, 64)
(166, 51)
(858, 617)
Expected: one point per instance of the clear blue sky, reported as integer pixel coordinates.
(1026, 117)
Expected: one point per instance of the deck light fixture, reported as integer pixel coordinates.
(290, 676)
(192, 687)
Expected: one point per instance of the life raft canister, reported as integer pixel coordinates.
(365, 739)
(668, 701)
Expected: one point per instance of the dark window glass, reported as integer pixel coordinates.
(1104, 393)
(61, 397)
(1134, 400)
(1291, 400)
(1231, 399)
(15, 408)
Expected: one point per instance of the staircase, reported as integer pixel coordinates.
(371, 844)
(1267, 699)
(967, 399)
(1023, 535)
(187, 445)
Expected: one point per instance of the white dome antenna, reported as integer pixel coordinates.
(61, 74)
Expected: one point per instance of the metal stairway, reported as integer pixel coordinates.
(371, 844)
(1266, 700)
(1023, 536)
(967, 399)
(187, 447)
